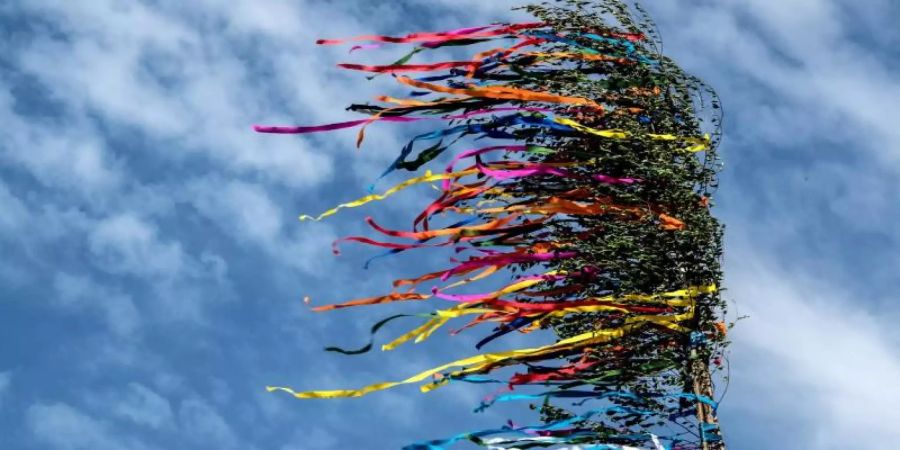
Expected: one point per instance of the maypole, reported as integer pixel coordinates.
(588, 190)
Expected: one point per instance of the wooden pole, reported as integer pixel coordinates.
(702, 381)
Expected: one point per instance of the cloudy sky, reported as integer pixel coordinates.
(153, 269)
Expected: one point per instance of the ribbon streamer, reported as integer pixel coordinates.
(585, 199)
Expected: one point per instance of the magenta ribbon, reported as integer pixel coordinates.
(355, 123)
(478, 151)
(504, 259)
(544, 169)
(328, 127)
(467, 298)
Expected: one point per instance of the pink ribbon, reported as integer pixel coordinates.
(543, 169)
(506, 259)
(355, 123)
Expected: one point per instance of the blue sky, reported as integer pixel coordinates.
(153, 267)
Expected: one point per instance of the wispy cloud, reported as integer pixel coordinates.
(247, 213)
(5, 385)
(138, 66)
(810, 142)
(117, 309)
(811, 359)
(205, 426)
(61, 426)
(143, 406)
(129, 245)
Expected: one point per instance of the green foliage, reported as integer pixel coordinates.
(637, 256)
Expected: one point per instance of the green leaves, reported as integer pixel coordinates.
(637, 256)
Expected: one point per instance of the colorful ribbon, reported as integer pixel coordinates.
(595, 159)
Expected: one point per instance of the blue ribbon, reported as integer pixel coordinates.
(552, 426)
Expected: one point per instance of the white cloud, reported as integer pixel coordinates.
(81, 293)
(814, 360)
(280, 19)
(5, 384)
(315, 438)
(811, 356)
(60, 426)
(127, 244)
(29, 223)
(183, 284)
(177, 83)
(14, 216)
(246, 212)
(26, 226)
(806, 54)
(243, 209)
(143, 406)
(467, 13)
(67, 154)
(202, 423)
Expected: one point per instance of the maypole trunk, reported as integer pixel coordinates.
(706, 415)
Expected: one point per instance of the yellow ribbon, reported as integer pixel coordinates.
(581, 340)
(427, 178)
(679, 298)
(700, 143)
(490, 270)
(479, 363)
(569, 55)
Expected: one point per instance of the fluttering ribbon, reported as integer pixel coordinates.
(526, 205)
(502, 93)
(478, 363)
(553, 426)
(466, 33)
